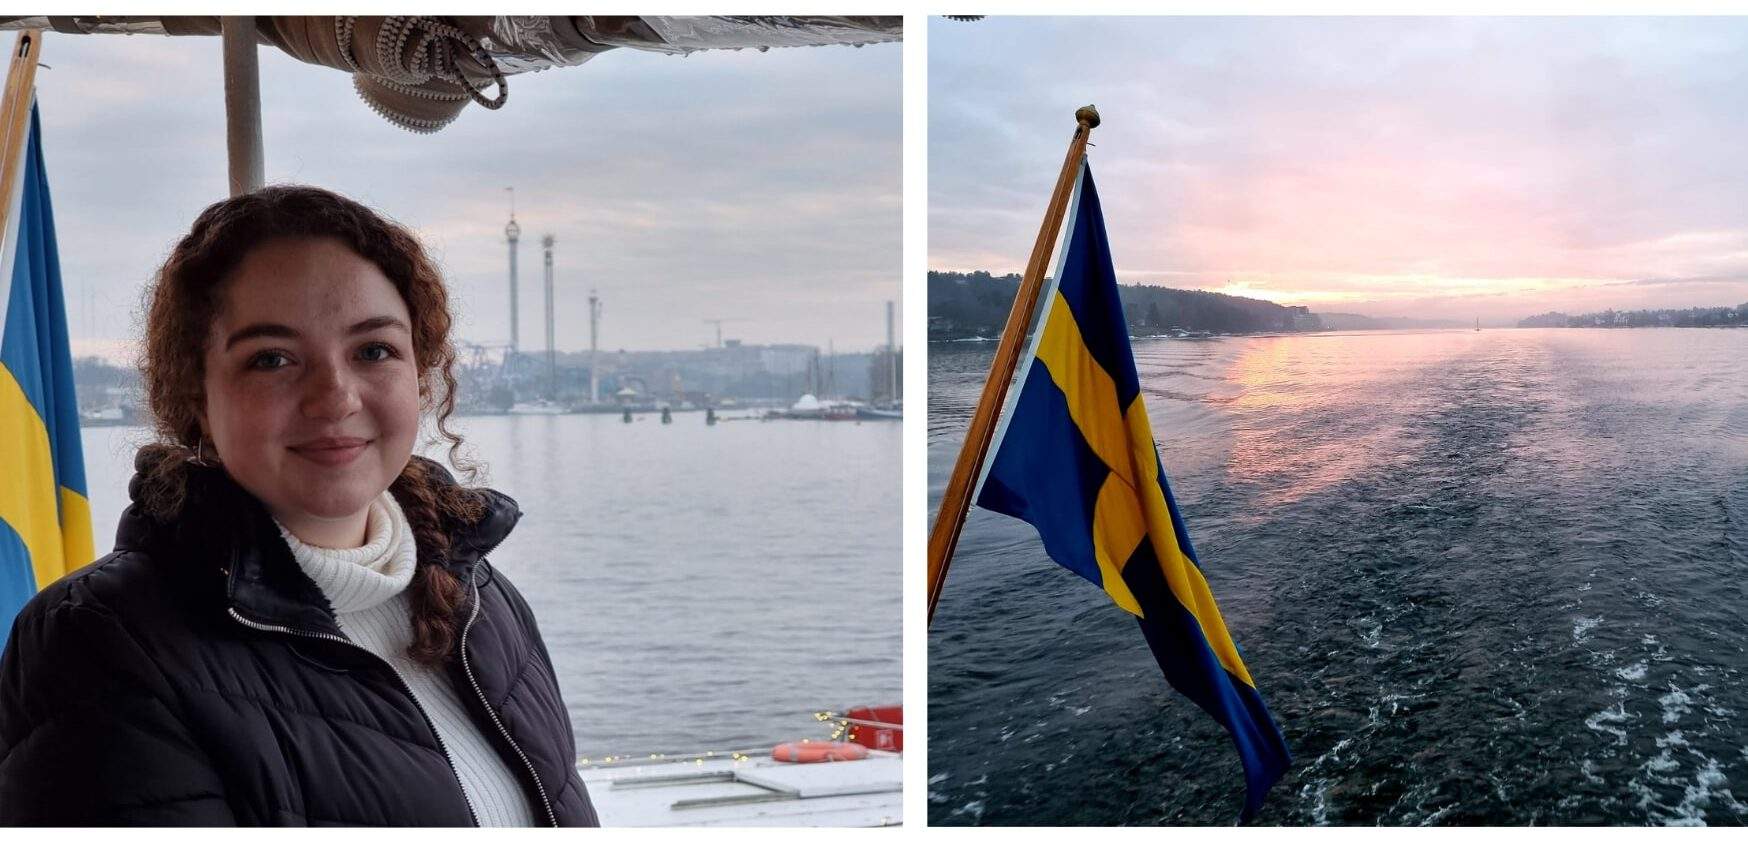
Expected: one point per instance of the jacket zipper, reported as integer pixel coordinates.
(447, 758)
(487, 704)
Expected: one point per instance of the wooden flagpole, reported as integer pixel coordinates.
(15, 116)
(951, 516)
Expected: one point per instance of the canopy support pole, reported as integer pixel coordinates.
(242, 105)
(957, 497)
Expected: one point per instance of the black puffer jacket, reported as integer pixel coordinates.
(196, 676)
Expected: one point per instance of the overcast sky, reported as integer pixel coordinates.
(1457, 168)
(762, 188)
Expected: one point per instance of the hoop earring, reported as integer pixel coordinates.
(200, 454)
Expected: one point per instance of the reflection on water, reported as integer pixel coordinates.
(1481, 577)
(698, 587)
(1301, 424)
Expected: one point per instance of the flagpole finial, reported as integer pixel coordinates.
(1087, 116)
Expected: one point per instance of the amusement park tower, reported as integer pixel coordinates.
(594, 328)
(513, 233)
(551, 351)
(891, 359)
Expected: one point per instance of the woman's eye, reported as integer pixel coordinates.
(376, 352)
(268, 360)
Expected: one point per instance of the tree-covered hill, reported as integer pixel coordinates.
(964, 305)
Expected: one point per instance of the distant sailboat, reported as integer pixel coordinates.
(1477, 323)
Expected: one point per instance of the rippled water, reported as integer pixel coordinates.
(1480, 577)
(698, 587)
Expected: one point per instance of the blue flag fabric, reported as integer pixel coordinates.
(45, 514)
(1076, 459)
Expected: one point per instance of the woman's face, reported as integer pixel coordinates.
(312, 392)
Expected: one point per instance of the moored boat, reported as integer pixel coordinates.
(539, 407)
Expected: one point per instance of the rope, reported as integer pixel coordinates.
(408, 53)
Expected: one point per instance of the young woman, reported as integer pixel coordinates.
(298, 625)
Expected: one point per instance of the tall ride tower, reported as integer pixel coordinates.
(891, 359)
(594, 329)
(513, 233)
(551, 350)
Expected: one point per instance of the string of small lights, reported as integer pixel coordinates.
(696, 758)
(843, 727)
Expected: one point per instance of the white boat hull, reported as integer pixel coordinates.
(748, 790)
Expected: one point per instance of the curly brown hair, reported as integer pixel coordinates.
(186, 298)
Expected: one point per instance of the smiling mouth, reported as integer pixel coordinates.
(331, 452)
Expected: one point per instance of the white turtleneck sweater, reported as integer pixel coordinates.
(367, 587)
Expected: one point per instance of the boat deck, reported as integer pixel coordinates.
(746, 789)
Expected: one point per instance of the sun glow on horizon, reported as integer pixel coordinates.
(1495, 299)
(1319, 289)
(1498, 300)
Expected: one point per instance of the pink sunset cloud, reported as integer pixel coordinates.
(1491, 168)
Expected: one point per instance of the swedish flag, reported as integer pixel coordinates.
(45, 516)
(1076, 459)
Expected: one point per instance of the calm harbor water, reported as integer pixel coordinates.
(1481, 577)
(698, 587)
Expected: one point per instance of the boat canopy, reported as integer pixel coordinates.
(419, 72)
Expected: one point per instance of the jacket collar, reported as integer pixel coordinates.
(224, 530)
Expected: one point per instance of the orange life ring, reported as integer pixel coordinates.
(811, 752)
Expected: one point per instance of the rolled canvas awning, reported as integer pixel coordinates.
(419, 72)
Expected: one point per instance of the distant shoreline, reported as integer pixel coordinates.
(1349, 331)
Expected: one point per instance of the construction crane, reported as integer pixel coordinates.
(484, 358)
(479, 355)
